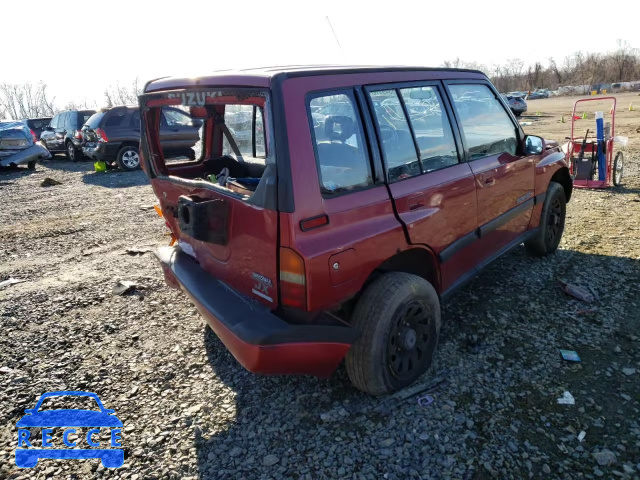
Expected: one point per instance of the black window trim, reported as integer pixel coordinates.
(351, 93)
(518, 128)
(439, 86)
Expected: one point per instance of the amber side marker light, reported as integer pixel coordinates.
(293, 291)
(158, 210)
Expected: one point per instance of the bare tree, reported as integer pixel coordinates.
(25, 101)
(624, 60)
(555, 70)
(121, 95)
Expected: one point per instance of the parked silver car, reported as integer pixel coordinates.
(18, 146)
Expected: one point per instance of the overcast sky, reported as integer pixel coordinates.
(80, 48)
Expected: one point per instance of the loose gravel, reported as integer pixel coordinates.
(191, 411)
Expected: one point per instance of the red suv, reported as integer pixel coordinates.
(329, 211)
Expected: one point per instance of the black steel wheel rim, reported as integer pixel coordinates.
(71, 151)
(554, 221)
(411, 340)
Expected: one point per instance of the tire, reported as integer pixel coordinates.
(31, 165)
(128, 158)
(72, 152)
(618, 166)
(552, 219)
(389, 355)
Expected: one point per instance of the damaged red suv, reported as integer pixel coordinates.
(329, 211)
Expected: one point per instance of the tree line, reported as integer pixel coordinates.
(28, 100)
(620, 65)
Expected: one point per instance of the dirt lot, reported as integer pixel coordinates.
(190, 410)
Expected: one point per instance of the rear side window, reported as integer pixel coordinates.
(114, 119)
(341, 156)
(83, 117)
(486, 126)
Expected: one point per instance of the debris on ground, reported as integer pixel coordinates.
(581, 435)
(125, 286)
(575, 291)
(10, 281)
(50, 182)
(137, 251)
(425, 400)
(146, 207)
(570, 355)
(566, 399)
(628, 371)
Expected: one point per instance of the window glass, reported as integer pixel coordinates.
(238, 119)
(431, 128)
(63, 120)
(340, 151)
(175, 118)
(487, 128)
(54, 121)
(84, 117)
(135, 119)
(397, 143)
(115, 119)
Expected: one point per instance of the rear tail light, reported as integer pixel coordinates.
(78, 134)
(33, 135)
(102, 136)
(293, 291)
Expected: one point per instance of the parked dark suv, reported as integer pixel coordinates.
(63, 134)
(337, 234)
(113, 135)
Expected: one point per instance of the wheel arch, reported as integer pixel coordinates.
(420, 261)
(563, 177)
(129, 143)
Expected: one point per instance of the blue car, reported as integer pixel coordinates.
(69, 418)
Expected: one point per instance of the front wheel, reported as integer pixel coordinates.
(549, 233)
(618, 165)
(398, 317)
(128, 158)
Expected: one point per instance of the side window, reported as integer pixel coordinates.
(487, 128)
(176, 118)
(115, 119)
(62, 121)
(395, 135)
(54, 121)
(341, 155)
(260, 143)
(238, 119)
(431, 128)
(135, 119)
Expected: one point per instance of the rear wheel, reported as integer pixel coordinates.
(128, 158)
(548, 236)
(618, 165)
(398, 317)
(31, 165)
(72, 153)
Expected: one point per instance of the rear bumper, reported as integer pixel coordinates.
(101, 151)
(258, 339)
(18, 157)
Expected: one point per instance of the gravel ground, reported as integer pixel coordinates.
(190, 410)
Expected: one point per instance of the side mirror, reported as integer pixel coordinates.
(533, 145)
(196, 122)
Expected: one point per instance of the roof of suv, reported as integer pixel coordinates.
(263, 76)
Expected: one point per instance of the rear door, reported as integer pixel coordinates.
(232, 233)
(60, 131)
(433, 190)
(504, 176)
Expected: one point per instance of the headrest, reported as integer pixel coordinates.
(339, 127)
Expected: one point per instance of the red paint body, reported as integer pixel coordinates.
(426, 213)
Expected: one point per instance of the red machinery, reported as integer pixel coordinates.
(582, 154)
